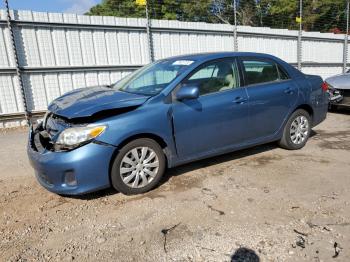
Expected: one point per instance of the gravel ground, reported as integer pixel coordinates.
(264, 203)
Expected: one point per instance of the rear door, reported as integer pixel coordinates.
(272, 95)
(219, 117)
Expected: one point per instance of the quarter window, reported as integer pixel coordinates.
(283, 75)
(256, 72)
(215, 76)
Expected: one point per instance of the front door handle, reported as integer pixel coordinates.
(240, 100)
(289, 90)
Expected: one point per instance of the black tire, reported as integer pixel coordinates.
(286, 140)
(116, 178)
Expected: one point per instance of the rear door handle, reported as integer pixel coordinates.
(289, 90)
(240, 100)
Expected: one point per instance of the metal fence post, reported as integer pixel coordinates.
(149, 34)
(18, 69)
(299, 47)
(235, 27)
(345, 50)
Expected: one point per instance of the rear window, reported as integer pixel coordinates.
(261, 71)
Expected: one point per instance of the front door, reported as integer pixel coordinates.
(218, 119)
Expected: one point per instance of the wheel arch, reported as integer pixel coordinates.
(307, 108)
(152, 136)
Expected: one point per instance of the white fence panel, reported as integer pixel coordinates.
(324, 71)
(322, 51)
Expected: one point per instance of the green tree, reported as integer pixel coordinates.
(318, 15)
(120, 8)
(198, 11)
(325, 15)
(223, 11)
(159, 9)
(279, 13)
(247, 12)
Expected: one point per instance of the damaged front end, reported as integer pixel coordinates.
(335, 95)
(338, 96)
(44, 136)
(40, 140)
(58, 134)
(61, 169)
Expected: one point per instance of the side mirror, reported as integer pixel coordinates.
(187, 92)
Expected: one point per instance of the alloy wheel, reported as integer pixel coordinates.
(299, 130)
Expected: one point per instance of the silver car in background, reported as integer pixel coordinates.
(339, 90)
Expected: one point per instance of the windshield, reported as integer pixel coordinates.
(153, 78)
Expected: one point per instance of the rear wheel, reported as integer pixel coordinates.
(138, 167)
(296, 131)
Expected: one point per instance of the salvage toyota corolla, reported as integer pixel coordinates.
(171, 112)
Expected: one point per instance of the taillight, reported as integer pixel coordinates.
(325, 86)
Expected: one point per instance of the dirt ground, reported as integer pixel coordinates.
(265, 203)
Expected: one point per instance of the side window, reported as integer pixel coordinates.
(215, 76)
(261, 71)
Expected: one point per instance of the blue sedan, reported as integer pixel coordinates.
(173, 111)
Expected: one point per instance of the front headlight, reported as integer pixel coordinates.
(75, 136)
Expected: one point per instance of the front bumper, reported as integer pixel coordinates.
(339, 97)
(88, 165)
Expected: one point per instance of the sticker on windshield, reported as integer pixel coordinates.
(183, 62)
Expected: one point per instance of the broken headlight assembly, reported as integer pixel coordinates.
(46, 116)
(74, 137)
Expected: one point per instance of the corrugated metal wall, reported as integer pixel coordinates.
(61, 52)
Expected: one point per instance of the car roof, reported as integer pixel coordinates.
(201, 57)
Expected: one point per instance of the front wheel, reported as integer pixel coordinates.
(138, 167)
(296, 131)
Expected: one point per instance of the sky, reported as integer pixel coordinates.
(59, 6)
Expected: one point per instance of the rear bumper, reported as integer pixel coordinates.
(88, 165)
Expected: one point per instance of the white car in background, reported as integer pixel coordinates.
(339, 90)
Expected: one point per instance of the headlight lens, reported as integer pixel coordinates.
(73, 137)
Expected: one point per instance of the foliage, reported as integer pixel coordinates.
(318, 15)
(120, 8)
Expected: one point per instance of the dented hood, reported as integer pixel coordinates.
(86, 102)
